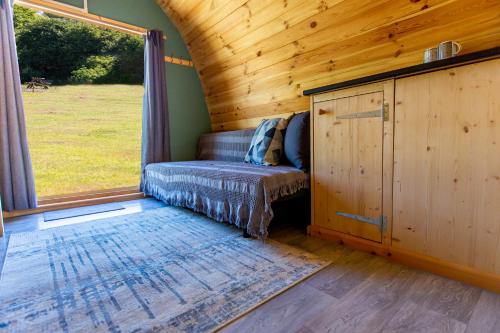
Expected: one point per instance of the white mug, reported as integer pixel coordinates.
(448, 49)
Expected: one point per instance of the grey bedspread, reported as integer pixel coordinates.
(234, 192)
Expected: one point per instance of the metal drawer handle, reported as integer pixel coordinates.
(322, 111)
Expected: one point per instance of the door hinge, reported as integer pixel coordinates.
(380, 221)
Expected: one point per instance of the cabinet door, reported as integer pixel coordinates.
(348, 140)
(447, 165)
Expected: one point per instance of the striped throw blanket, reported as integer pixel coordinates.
(228, 191)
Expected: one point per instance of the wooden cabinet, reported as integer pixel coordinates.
(429, 172)
(352, 143)
(447, 165)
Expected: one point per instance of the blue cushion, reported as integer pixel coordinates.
(267, 142)
(297, 149)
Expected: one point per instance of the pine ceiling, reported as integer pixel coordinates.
(255, 57)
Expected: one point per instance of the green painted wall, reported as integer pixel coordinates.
(77, 3)
(187, 108)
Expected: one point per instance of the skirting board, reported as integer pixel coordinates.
(445, 268)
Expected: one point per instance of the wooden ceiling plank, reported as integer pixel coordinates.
(174, 14)
(480, 42)
(369, 61)
(186, 6)
(245, 123)
(261, 11)
(345, 26)
(256, 57)
(264, 99)
(181, 6)
(209, 13)
(392, 33)
(483, 36)
(202, 11)
(293, 27)
(358, 71)
(262, 110)
(239, 21)
(250, 42)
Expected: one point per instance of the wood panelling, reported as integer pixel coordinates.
(255, 57)
(447, 165)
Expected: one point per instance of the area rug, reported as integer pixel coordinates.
(164, 270)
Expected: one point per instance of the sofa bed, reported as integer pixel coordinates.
(221, 185)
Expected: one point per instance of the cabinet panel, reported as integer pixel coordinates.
(447, 165)
(348, 173)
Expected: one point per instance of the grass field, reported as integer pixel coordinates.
(85, 137)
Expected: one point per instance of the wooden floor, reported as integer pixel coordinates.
(358, 292)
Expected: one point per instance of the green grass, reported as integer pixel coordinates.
(84, 137)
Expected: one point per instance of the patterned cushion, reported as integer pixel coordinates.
(267, 142)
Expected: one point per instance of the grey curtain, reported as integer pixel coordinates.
(155, 125)
(17, 186)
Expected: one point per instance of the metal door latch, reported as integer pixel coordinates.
(383, 112)
(380, 221)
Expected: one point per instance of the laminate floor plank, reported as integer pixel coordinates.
(389, 293)
(448, 297)
(308, 243)
(286, 233)
(369, 305)
(23, 223)
(345, 274)
(289, 311)
(303, 329)
(333, 252)
(412, 317)
(486, 314)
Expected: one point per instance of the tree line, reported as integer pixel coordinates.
(66, 51)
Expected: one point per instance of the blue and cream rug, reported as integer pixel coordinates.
(164, 270)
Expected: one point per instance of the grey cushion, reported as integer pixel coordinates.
(297, 149)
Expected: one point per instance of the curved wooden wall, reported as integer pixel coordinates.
(255, 57)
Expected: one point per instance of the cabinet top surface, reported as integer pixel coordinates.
(412, 70)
